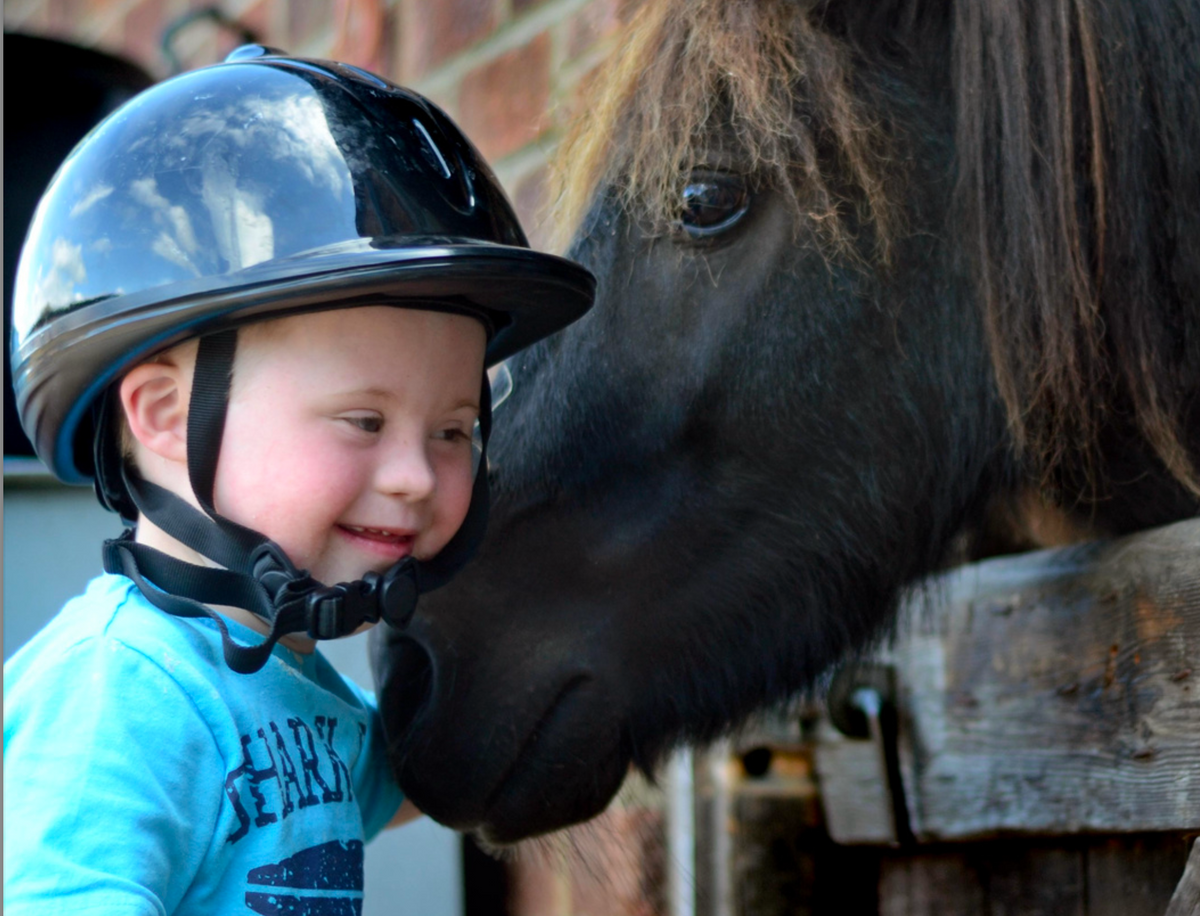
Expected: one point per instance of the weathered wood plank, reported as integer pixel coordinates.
(854, 788)
(757, 802)
(1027, 880)
(931, 883)
(1127, 876)
(1186, 899)
(1054, 693)
(1131, 875)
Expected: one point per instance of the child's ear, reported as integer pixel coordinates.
(155, 399)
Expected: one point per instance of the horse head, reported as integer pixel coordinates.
(848, 300)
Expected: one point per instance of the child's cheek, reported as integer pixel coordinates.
(455, 485)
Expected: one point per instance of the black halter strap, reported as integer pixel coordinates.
(257, 574)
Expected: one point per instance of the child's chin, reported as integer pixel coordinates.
(346, 574)
(352, 572)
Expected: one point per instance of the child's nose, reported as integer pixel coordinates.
(407, 472)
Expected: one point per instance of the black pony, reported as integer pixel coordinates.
(869, 272)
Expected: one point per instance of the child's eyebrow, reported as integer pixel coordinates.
(385, 394)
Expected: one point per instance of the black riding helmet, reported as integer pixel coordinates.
(263, 186)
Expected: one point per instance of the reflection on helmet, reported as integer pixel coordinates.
(258, 186)
(502, 383)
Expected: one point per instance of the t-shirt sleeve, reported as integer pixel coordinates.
(375, 785)
(112, 785)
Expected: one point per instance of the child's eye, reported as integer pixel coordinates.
(453, 435)
(368, 423)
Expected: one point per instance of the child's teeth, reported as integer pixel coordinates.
(378, 531)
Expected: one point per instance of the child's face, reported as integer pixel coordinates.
(348, 435)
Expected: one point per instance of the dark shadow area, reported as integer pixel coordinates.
(76, 88)
(485, 882)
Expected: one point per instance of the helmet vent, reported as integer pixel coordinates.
(430, 146)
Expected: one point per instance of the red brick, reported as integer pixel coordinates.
(306, 20)
(203, 41)
(67, 20)
(502, 104)
(111, 41)
(198, 43)
(82, 13)
(434, 30)
(361, 32)
(27, 17)
(143, 34)
(579, 95)
(597, 20)
(530, 200)
(202, 44)
(260, 19)
(388, 58)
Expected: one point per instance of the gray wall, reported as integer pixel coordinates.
(52, 537)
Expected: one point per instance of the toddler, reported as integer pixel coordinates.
(255, 309)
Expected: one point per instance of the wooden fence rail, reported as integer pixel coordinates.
(1029, 743)
(1051, 693)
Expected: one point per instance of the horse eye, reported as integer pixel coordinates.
(713, 202)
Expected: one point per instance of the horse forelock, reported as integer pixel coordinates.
(689, 72)
(1076, 139)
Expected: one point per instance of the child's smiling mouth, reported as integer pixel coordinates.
(394, 543)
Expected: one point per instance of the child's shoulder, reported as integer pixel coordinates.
(110, 668)
(110, 608)
(111, 619)
(112, 638)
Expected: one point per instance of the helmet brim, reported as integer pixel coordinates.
(521, 294)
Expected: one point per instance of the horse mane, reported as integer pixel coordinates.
(1077, 129)
(642, 125)
(1078, 158)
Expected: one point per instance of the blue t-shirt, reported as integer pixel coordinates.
(141, 775)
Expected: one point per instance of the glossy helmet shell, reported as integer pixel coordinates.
(258, 187)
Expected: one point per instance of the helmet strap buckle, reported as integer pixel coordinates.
(396, 591)
(339, 610)
(332, 611)
(276, 573)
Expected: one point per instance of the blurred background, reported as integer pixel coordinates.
(508, 72)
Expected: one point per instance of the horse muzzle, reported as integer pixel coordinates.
(506, 751)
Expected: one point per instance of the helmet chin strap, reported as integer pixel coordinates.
(254, 573)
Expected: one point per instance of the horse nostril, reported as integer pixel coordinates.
(407, 693)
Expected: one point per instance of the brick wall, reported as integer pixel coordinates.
(505, 70)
